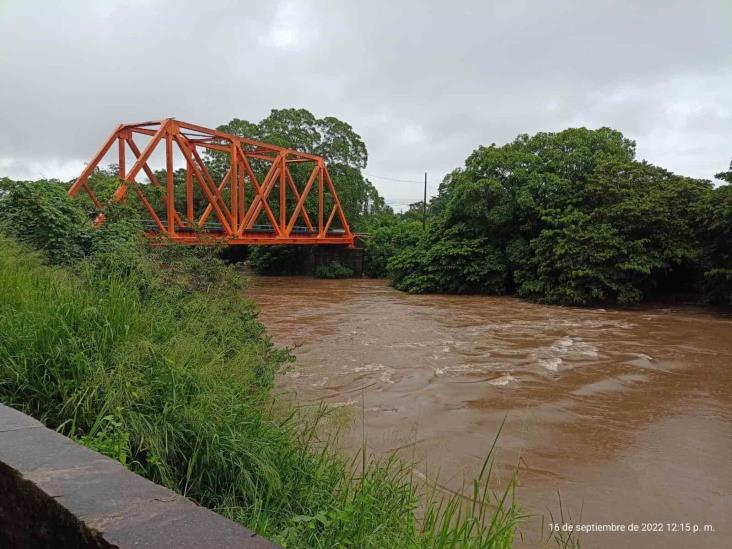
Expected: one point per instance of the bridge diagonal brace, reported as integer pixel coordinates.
(121, 191)
(260, 200)
(301, 202)
(209, 180)
(201, 182)
(150, 210)
(81, 181)
(305, 192)
(93, 196)
(209, 208)
(154, 181)
(330, 220)
(336, 204)
(260, 197)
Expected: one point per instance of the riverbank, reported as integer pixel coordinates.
(143, 355)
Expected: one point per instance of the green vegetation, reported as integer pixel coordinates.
(335, 140)
(717, 227)
(275, 260)
(387, 235)
(568, 217)
(333, 270)
(151, 356)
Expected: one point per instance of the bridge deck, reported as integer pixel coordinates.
(257, 235)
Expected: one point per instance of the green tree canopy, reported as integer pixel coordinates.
(335, 140)
(567, 217)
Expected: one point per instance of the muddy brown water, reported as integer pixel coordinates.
(627, 414)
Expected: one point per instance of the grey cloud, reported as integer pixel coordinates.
(423, 82)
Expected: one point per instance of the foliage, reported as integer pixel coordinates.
(345, 154)
(566, 217)
(275, 260)
(41, 214)
(718, 238)
(142, 354)
(634, 225)
(333, 270)
(329, 137)
(298, 129)
(387, 235)
(454, 265)
(415, 212)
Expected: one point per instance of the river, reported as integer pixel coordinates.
(626, 413)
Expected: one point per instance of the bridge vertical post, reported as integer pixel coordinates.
(170, 190)
(189, 192)
(234, 181)
(121, 156)
(320, 198)
(242, 187)
(283, 194)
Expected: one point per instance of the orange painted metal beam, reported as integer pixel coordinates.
(236, 218)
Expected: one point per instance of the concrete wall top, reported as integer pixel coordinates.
(57, 493)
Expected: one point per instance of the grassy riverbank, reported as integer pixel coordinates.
(151, 356)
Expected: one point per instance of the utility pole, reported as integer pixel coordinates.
(424, 202)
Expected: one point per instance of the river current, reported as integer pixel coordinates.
(626, 414)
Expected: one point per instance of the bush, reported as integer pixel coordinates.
(385, 240)
(41, 214)
(275, 260)
(333, 270)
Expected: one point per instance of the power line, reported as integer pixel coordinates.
(393, 178)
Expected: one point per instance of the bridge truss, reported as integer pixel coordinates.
(246, 209)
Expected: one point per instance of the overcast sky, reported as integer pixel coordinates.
(424, 83)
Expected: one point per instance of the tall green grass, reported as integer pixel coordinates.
(150, 355)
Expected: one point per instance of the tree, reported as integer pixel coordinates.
(631, 230)
(343, 150)
(334, 140)
(566, 217)
(387, 235)
(718, 242)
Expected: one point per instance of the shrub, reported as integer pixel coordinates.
(385, 240)
(275, 260)
(333, 270)
(41, 214)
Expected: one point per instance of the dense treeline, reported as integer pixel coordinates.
(569, 217)
(145, 353)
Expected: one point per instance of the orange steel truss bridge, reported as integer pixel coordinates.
(243, 215)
